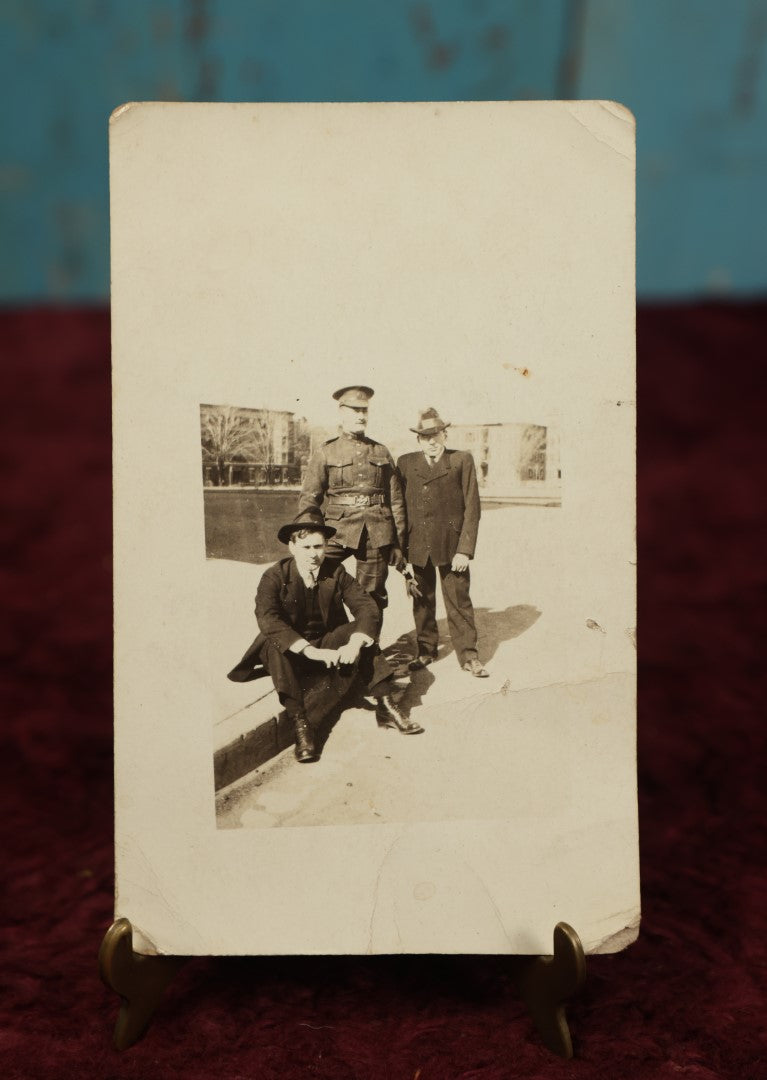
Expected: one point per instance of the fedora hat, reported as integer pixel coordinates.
(311, 518)
(429, 422)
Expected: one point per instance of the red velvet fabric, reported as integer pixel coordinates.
(688, 1000)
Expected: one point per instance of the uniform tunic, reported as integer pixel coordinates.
(355, 483)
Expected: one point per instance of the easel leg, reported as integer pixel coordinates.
(545, 983)
(139, 980)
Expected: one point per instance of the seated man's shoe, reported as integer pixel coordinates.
(474, 668)
(421, 661)
(388, 715)
(305, 748)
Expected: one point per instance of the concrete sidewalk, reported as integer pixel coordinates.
(478, 759)
(247, 728)
(525, 637)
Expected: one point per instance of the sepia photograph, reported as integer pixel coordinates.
(374, 435)
(352, 545)
(333, 549)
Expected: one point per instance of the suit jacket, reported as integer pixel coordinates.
(442, 504)
(347, 466)
(281, 615)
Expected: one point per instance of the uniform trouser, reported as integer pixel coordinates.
(372, 565)
(307, 687)
(460, 613)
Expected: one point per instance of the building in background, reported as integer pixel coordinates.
(244, 447)
(256, 448)
(515, 462)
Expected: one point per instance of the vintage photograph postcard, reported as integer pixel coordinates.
(374, 483)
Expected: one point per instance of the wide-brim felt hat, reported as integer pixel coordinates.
(306, 519)
(356, 396)
(429, 422)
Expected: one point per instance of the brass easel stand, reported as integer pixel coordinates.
(139, 980)
(545, 983)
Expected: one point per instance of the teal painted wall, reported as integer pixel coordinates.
(691, 70)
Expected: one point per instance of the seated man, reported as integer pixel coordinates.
(313, 653)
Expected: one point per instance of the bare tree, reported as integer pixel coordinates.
(225, 432)
(302, 441)
(264, 424)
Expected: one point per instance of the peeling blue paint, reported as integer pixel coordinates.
(693, 72)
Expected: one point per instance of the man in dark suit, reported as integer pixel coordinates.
(313, 653)
(353, 479)
(442, 502)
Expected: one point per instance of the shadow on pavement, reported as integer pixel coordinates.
(493, 628)
(417, 689)
(355, 699)
(324, 729)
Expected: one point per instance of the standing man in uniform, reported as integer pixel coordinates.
(354, 481)
(442, 500)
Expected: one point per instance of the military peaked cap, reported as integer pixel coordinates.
(356, 396)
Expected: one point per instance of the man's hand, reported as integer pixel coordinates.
(396, 559)
(348, 653)
(460, 563)
(410, 583)
(329, 657)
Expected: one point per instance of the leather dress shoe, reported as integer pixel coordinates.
(474, 668)
(421, 661)
(305, 748)
(389, 716)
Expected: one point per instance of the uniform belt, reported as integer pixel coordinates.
(352, 499)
